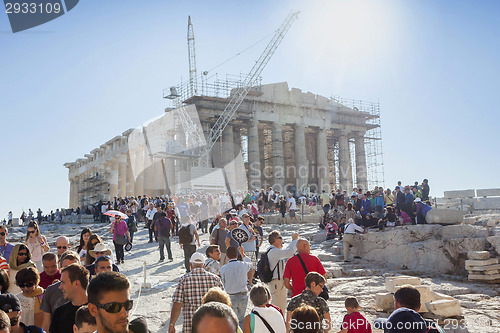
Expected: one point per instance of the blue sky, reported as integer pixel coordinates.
(73, 83)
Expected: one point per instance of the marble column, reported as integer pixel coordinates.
(130, 174)
(254, 176)
(361, 172)
(278, 158)
(159, 184)
(148, 173)
(73, 193)
(139, 171)
(322, 161)
(241, 179)
(344, 163)
(228, 156)
(217, 154)
(113, 184)
(301, 162)
(122, 175)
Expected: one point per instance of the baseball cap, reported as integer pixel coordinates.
(233, 212)
(418, 200)
(197, 258)
(9, 303)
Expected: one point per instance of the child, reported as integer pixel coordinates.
(354, 322)
(84, 321)
(331, 230)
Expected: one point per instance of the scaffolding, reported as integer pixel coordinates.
(94, 188)
(373, 141)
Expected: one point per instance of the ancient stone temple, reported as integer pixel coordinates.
(278, 137)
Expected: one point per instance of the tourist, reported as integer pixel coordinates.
(259, 232)
(110, 303)
(50, 270)
(400, 198)
(365, 207)
(277, 257)
(4, 323)
(325, 219)
(103, 263)
(425, 190)
(173, 216)
(11, 306)
(121, 236)
(294, 274)
(340, 200)
(31, 296)
(389, 219)
(131, 224)
(354, 321)
(235, 275)
(190, 290)
(282, 208)
(262, 316)
(408, 203)
(93, 241)
(53, 296)
(62, 245)
(74, 282)
(216, 294)
(159, 213)
(149, 220)
(218, 237)
(188, 238)
(416, 192)
(5, 247)
(82, 247)
(388, 198)
(249, 246)
(20, 258)
(213, 317)
(348, 239)
(84, 321)
(37, 244)
(314, 283)
(4, 281)
(292, 208)
(163, 227)
(331, 230)
(421, 210)
(305, 319)
(212, 264)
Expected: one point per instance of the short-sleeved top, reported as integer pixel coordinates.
(307, 297)
(295, 272)
(52, 298)
(6, 250)
(120, 229)
(212, 266)
(355, 322)
(291, 201)
(191, 289)
(261, 232)
(63, 318)
(232, 242)
(402, 318)
(163, 224)
(4, 264)
(46, 280)
(219, 235)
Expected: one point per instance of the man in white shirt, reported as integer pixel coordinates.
(149, 221)
(292, 207)
(277, 259)
(349, 231)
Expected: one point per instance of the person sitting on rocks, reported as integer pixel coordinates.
(389, 219)
(421, 211)
(325, 219)
(369, 221)
(331, 230)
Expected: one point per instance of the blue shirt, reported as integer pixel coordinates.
(234, 276)
(6, 250)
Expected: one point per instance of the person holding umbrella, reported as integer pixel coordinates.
(121, 236)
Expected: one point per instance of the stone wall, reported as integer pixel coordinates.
(432, 249)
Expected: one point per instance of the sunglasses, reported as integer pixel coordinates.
(22, 254)
(26, 285)
(279, 237)
(2, 233)
(115, 307)
(62, 247)
(31, 232)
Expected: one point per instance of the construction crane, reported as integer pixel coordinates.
(193, 81)
(202, 150)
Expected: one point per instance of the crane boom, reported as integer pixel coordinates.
(193, 81)
(241, 92)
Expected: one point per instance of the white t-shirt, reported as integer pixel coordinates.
(291, 203)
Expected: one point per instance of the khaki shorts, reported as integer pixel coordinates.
(291, 212)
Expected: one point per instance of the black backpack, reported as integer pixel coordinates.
(185, 236)
(264, 269)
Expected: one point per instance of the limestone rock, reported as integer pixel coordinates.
(485, 277)
(444, 216)
(487, 262)
(483, 268)
(393, 283)
(463, 231)
(384, 301)
(495, 242)
(445, 308)
(478, 255)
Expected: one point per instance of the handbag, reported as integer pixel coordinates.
(121, 239)
(324, 294)
(264, 321)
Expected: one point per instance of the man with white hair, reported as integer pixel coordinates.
(191, 288)
(62, 245)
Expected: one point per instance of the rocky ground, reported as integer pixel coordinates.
(480, 302)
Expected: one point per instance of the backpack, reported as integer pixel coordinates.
(185, 236)
(264, 269)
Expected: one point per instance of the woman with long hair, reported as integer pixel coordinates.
(121, 236)
(36, 243)
(84, 239)
(20, 258)
(92, 242)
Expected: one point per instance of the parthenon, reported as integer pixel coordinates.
(278, 137)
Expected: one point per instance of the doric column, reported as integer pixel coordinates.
(322, 161)
(254, 181)
(130, 174)
(139, 170)
(148, 173)
(301, 162)
(228, 155)
(113, 184)
(73, 193)
(159, 177)
(278, 157)
(216, 154)
(240, 178)
(122, 175)
(361, 172)
(344, 163)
